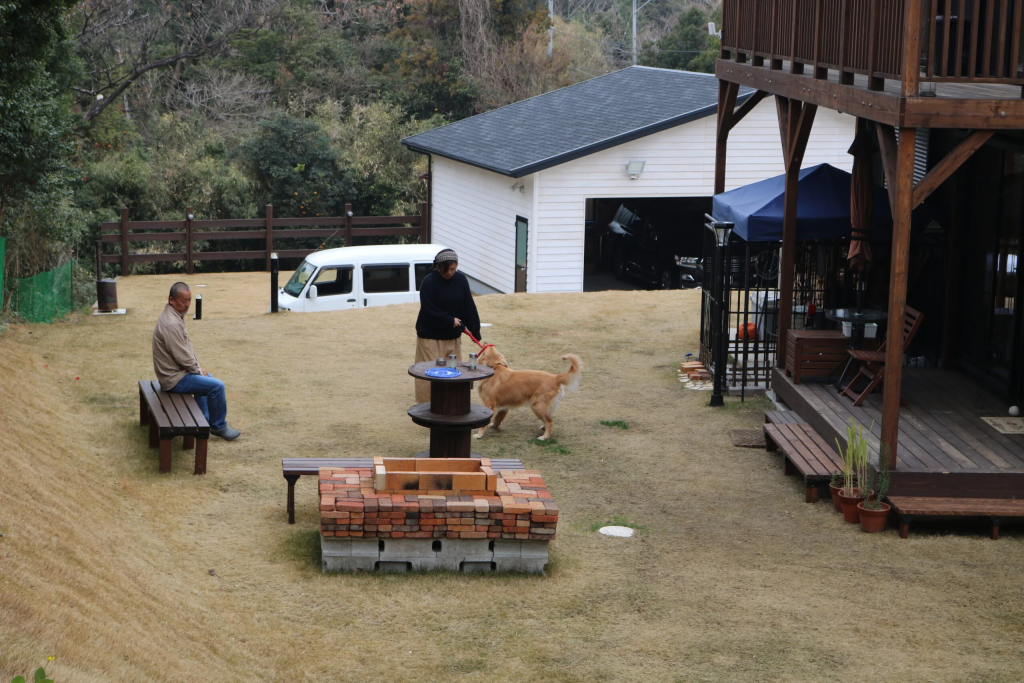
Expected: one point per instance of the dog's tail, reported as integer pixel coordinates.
(571, 379)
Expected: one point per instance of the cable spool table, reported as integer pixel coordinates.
(450, 415)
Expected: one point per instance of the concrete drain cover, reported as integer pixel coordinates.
(617, 531)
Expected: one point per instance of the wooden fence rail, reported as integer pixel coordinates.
(189, 230)
(977, 41)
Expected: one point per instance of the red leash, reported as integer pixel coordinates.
(476, 341)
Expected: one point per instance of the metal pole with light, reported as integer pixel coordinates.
(722, 231)
(274, 270)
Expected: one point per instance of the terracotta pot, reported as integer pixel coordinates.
(873, 521)
(834, 490)
(849, 504)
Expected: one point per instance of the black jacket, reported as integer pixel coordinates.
(441, 301)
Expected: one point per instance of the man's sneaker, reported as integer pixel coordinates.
(228, 434)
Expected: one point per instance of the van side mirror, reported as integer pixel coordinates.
(311, 293)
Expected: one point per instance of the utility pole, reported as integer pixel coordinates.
(551, 29)
(636, 11)
(634, 32)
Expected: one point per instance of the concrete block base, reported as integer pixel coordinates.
(424, 554)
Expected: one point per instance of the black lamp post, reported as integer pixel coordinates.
(722, 231)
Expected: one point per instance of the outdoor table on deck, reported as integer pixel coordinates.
(858, 318)
(450, 415)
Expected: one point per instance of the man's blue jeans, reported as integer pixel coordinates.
(209, 393)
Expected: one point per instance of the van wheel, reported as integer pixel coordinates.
(619, 266)
(666, 281)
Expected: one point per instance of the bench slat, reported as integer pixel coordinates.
(191, 408)
(183, 412)
(172, 413)
(300, 466)
(953, 507)
(156, 409)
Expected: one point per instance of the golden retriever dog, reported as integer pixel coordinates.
(508, 389)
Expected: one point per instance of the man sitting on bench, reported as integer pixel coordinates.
(177, 368)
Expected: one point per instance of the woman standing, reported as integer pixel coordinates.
(446, 308)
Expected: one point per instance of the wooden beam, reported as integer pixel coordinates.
(848, 99)
(745, 108)
(782, 109)
(795, 122)
(898, 293)
(727, 93)
(726, 101)
(887, 147)
(950, 163)
(912, 48)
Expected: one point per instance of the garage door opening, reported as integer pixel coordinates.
(644, 243)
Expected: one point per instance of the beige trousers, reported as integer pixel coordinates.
(432, 349)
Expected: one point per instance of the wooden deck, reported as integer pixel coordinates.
(945, 448)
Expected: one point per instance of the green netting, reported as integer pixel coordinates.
(44, 297)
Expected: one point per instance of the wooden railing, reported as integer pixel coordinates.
(188, 231)
(961, 40)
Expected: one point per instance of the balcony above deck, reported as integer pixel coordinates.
(850, 56)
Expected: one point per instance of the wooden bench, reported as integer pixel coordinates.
(293, 468)
(814, 353)
(996, 509)
(805, 452)
(169, 415)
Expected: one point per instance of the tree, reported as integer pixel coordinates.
(123, 40)
(36, 132)
(688, 46)
(296, 169)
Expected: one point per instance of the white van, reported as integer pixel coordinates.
(357, 277)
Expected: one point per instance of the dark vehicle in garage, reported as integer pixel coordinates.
(659, 249)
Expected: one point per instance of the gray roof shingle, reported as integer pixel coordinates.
(572, 122)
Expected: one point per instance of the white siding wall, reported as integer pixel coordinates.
(474, 210)
(680, 163)
(474, 213)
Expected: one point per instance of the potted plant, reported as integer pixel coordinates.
(874, 513)
(835, 485)
(855, 470)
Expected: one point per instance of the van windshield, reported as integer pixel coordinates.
(299, 278)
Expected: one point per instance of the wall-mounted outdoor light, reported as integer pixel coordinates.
(635, 168)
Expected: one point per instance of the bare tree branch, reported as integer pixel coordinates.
(120, 44)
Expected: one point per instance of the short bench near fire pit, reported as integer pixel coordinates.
(434, 513)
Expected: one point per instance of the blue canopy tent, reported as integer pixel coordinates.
(823, 207)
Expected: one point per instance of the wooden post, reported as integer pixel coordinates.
(124, 241)
(912, 52)
(188, 240)
(270, 233)
(424, 234)
(727, 93)
(795, 121)
(898, 293)
(348, 225)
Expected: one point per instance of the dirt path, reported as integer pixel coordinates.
(107, 565)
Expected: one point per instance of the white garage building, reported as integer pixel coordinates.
(511, 188)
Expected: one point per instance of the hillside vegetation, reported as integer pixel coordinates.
(226, 106)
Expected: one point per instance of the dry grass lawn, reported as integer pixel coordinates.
(126, 575)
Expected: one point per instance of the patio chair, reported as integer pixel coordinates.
(872, 363)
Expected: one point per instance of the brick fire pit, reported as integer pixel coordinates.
(434, 513)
